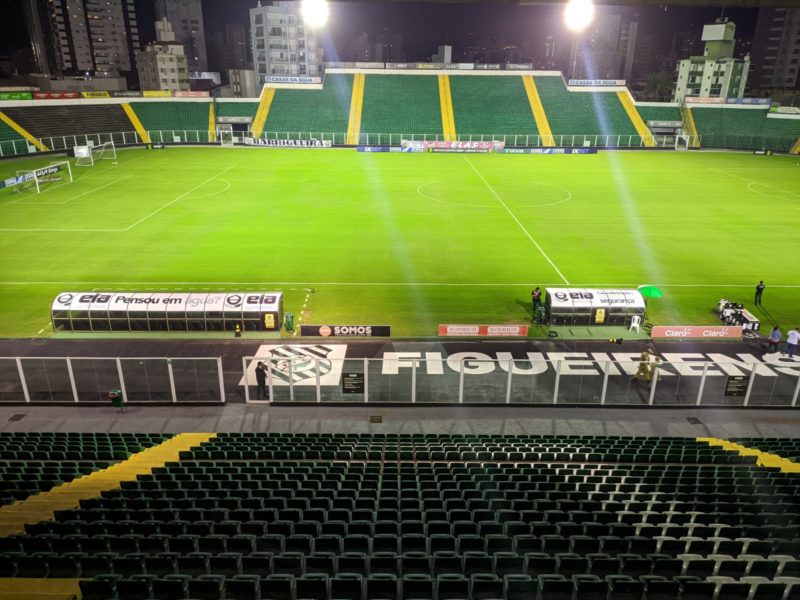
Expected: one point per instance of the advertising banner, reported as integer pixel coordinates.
(697, 332)
(519, 66)
(180, 94)
(596, 82)
(549, 151)
(489, 67)
(235, 120)
(126, 94)
(287, 143)
(428, 66)
(699, 100)
(369, 65)
(391, 65)
(102, 94)
(788, 110)
(758, 101)
(55, 95)
(16, 96)
(665, 124)
(378, 149)
(292, 79)
(345, 330)
(459, 146)
(460, 66)
(483, 330)
(157, 94)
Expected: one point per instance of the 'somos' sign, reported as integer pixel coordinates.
(483, 330)
(697, 332)
(346, 330)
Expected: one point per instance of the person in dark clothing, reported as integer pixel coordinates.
(261, 380)
(536, 297)
(759, 292)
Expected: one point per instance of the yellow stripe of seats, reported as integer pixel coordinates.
(633, 114)
(446, 105)
(538, 111)
(264, 103)
(356, 106)
(41, 507)
(764, 459)
(137, 124)
(689, 126)
(22, 131)
(796, 148)
(212, 124)
(24, 588)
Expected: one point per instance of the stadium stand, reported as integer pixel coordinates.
(491, 105)
(744, 128)
(787, 448)
(582, 113)
(185, 120)
(7, 138)
(401, 104)
(311, 111)
(35, 462)
(659, 113)
(236, 109)
(70, 119)
(419, 516)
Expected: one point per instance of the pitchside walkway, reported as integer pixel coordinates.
(512, 420)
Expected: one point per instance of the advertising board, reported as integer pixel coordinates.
(697, 332)
(249, 141)
(483, 330)
(101, 94)
(16, 96)
(55, 95)
(596, 82)
(157, 94)
(345, 330)
(292, 79)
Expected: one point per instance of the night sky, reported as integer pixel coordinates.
(423, 26)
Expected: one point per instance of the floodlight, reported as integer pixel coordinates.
(578, 14)
(315, 12)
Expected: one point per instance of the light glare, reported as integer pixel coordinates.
(315, 12)
(578, 14)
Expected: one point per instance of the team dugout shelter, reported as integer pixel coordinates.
(589, 306)
(180, 311)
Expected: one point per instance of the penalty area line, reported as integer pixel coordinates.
(513, 216)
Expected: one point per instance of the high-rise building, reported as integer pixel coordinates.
(75, 37)
(444, 54)
(186, 18)
(162, 64)
(607, 48)
(776, 49)
(282, 43)
(391, 47)
(362, 50)
(716, 74)
(229, 49)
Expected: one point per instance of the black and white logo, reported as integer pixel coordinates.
(298, 364)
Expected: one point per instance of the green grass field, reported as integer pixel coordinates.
(409, 240)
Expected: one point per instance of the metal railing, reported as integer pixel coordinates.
(455, 380)
(63, 143)
(48, 380)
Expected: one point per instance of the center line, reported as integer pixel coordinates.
(513, 216)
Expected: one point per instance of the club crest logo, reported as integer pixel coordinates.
(298, 364)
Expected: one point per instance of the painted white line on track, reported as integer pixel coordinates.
(513, 216)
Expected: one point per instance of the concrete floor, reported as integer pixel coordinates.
(408, 419)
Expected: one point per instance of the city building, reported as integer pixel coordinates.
(716, 74)
(76, 37)
(186, 18)
(362, 50)
(241, 84)
(776, 49)
(443, 55)
(282, 44)
(390, 47)
(163, 64)
(607, 48)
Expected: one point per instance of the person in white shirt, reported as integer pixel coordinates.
(792, 340)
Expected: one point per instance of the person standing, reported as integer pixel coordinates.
(773, 340)
(759, 292)
(536, 297)
(261, 380)
(792, 340)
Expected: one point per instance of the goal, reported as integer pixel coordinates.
(225, 134)
(39, 179)
(685, 142)
(86, 156)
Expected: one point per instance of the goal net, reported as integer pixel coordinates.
(37, 180)
(87, 156)
(225, 134)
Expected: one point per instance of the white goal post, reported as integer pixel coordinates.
(36, 179)
(225, 134)
(86, 156)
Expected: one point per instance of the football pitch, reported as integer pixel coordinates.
(407, 240)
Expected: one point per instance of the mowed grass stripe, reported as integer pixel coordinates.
(380, 252)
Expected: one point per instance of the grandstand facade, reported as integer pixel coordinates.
(382, 108)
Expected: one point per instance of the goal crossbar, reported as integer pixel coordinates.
(86, 156)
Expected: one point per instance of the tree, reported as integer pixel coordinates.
(658, 86)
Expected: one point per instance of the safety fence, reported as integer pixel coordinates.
(20, 147)
(523, 382)
(49, 380)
